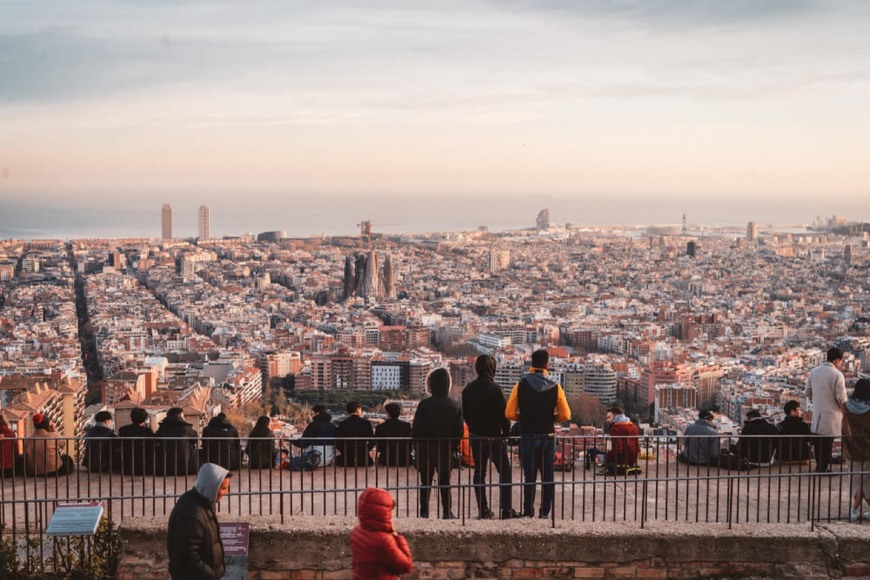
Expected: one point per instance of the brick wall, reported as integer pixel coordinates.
(310, 548)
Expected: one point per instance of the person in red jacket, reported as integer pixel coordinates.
(379, 551)
(624, 443)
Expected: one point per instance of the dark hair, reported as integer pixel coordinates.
(705, 414)
(319, 408)
(540, 359)
(175, 412)
(102, 417)
(484, 366)
(615, 410)
(352, 406)
(138, 416)
(262, 427)
(41, 421)
(790, 406)
(438, 381)
(753, 414)
(862, 390)
(393, 410)
(834, 354)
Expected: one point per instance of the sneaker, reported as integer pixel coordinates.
(486, 514)
(853, 515)
(510, 514)
(448, 516)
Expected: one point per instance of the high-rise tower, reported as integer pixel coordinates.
(751, 232)
(166, 221)
(204, 223)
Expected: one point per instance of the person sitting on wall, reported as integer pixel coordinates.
(392, 437)
(354, 438)
(621, 459)
(176, 445)
(795, 447)
(319, 436)
(42, 452)
(701, 445)
(102, 453)
(137, 445)
(758, 440)
(221, 443)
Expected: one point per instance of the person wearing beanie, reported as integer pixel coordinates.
(538, 403)
(379, 552)
(392, 435)
(42, 451)
(483, 406)
(436, 432)
(102, 453)
(193, 539)
(137, 445)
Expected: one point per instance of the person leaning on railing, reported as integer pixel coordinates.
(856, 445)
(42, 451)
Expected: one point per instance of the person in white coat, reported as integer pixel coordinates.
(826, 389)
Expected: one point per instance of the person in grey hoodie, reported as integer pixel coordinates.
(193, 540)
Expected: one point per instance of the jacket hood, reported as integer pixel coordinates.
(857, 406)
(540, 382)
(218, 422)
(174, 420)
(375, 509)
(485, 367)
(209, 480)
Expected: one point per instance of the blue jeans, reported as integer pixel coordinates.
(537, 453)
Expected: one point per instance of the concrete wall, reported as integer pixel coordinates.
(310, 548)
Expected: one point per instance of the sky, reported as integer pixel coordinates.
(275, 105)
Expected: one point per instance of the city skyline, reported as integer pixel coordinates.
(569, 100)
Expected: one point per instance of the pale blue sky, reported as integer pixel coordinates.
(171, 101)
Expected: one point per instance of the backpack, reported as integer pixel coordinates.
(306, 461)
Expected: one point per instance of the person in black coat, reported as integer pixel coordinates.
(392, 436)
(261, 444)
(137, 445)
(221, 443)
(354, 438)
(102, 453)
(436, 431)
(176, 445)
(319, 435)
(193, 538)
(483, 405)
(759, 448)
(794, 448)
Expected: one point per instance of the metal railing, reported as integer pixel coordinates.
(143, 478)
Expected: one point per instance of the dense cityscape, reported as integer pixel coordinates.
(661, 320)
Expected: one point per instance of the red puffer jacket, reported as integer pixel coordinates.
(379, 552)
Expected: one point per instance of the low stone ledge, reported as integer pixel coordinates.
(316, 548)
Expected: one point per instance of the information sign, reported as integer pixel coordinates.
(75, 519)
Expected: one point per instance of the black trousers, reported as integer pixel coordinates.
(824, 447)
(428, 464)
(484, 450)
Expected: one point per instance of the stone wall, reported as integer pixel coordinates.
(310, 548)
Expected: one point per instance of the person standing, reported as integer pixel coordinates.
(436, 431)
(856, 445)
(826, 389)
(392, 438)
(193, 539)
(377, 549)
(483, 406)
(538, 403)
(102, 453)
(354, 438)
(137, 445)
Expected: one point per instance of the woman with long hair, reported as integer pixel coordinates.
(856, 445)
(261, 444)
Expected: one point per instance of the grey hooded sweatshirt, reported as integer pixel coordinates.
(194, 540)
